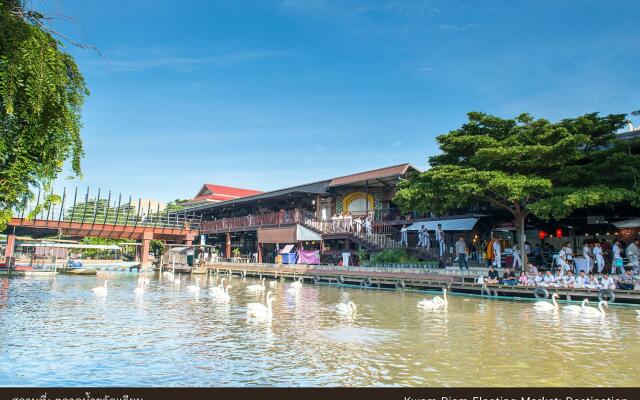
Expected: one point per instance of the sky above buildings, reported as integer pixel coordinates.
(266, 94)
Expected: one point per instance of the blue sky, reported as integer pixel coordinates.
(266, 94)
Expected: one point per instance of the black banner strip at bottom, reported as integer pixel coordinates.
(320, 393)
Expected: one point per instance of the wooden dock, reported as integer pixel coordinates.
(417, 280)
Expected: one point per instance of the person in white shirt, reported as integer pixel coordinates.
(497, 252)
(548, 279)
(633, 252)
(440, 239)
(582, 280)
(607, 282)
(517, 260)
(367, 225)
(569, 280)
(334, 222)
(586, 253)
(358, 224)
(403, 236)
(597, 253)
(593, 282)
(617, 258)
(563, 260)
(539, 279)
(426, 238)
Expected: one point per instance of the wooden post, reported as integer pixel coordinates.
(11, 243)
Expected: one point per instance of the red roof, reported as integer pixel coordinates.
(379, 173)
(216, 193)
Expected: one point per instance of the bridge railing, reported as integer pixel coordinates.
(104, 209)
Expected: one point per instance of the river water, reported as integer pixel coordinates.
(55, 332)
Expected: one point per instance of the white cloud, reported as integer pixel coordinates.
(141, 60)
(459, 28)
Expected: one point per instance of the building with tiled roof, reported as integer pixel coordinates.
(212, 193)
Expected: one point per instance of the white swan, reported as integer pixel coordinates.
(217, 290)
(257, 288)
(546, 306)
(259, 310)
(143, 280)
(170, 276)
(575, 308)
(222, 295)
(101, 290)
(638, 312)
(346, 308)
(595, 312)
(176, 280)
(435, 302)
(297, 283)
(194, 288)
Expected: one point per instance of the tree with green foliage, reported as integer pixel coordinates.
(529, 166)
(41, 95)
(175, 205)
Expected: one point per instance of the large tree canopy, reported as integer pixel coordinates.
(41, 94)
(529, 166)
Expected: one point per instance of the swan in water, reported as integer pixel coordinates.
(595, 312)
(256, 288)
(170, 276)
(546, 306)
(638, 312)
(143, 279)
(101, 290)
(273, 283)
(176, 280)
(195, 288)
(575, 308)
(222, 295)
(297, 283)
(259, 310)
(217, 290)
(346, 308)
(435, 302)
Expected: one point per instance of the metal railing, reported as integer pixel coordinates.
(377, 233)
(100, 209)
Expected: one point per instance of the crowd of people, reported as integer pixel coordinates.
(346, 222)
(562, 279)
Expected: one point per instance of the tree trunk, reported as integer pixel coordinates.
(519, 217)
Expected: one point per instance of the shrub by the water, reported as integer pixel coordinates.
(394, 256)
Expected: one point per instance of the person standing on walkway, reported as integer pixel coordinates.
(617, 261)
(633, 253)
(461, 252)
(404, 236)
(497, 252)
(597, 253)
(586, 253)
(440, 239)
(517, 260)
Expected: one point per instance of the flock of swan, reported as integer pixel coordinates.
(220, 293)
(582, 309)
(265, 311)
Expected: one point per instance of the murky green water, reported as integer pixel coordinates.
(55, 331)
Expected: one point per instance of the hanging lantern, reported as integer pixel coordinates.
(559, 232)
(542, 234)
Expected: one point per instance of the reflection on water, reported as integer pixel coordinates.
(55, 331)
